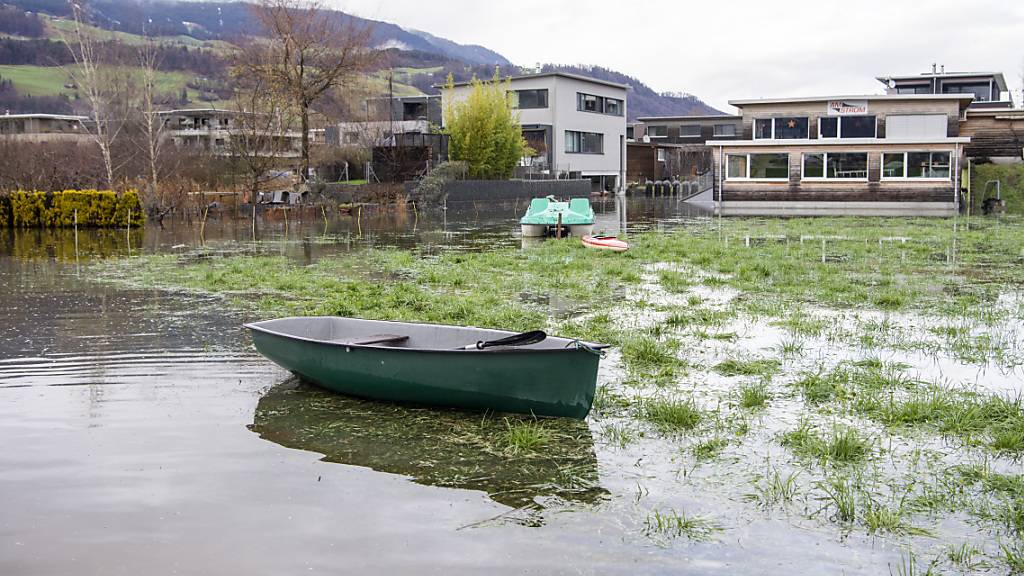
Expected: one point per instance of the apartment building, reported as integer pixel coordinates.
(575, 124)
(44, 128)
(210, 131)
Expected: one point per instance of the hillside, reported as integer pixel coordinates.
(198, 37)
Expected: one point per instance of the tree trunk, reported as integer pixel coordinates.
(304, 112)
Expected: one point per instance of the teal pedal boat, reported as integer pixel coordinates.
(542, 217)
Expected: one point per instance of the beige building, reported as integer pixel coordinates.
(209, 130)
(44, 128)
(892, 154)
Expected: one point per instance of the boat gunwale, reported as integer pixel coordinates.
(496, 350)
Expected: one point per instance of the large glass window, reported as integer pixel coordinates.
(588, 102)
(842, 165)
(657, 131)
(769, 166)
(524, 99)
(918, 89)
(762, 129)
(982, 91)
(928, 164)
(725, 130)
(814, 165)
(584, 142)
(791, 128)
(736, 166)
(689, 130)
(894, 165)
(847, 127)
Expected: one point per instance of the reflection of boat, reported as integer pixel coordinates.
(446, 448)
(545, 214)
(605, 243)
(430, 364)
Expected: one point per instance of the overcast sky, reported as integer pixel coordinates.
(732, 49)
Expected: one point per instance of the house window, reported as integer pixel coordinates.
(763, 129)
(725, 130)
(846, 165)
(630, 133)
(661, 154)
(814, 166)
(758, 166)
(787, 128)
(847, 127)
(599, 104)
(894, 165)
(918, 89)
(689, 131)
(584, 142)
(736, 165)
(924, 165)
(657, 131)
(613, 106)
(527, 99)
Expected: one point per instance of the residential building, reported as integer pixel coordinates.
(575, 124)
(210, 131)
(995, 126)
(387, 117)
(44, 128)
(887, 154)
(670, 147)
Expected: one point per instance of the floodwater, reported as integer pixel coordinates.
(140, 433)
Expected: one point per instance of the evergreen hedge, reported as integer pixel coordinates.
(96, 209)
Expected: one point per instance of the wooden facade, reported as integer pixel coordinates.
(666, 162)
(995, 135)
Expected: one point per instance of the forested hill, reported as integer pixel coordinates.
(197, 38)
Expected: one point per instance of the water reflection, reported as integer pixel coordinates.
(434, 447)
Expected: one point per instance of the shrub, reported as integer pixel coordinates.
(95, 208)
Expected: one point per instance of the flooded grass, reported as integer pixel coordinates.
(861, 384)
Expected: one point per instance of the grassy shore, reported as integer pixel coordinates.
(818, 365)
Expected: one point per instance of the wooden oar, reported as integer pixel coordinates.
(524, 339)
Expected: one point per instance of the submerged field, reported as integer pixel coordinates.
(852, 381)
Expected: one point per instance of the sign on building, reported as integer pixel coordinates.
(847, 107)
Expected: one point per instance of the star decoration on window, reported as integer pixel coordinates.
(791, 124)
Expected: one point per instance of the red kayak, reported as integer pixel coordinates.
(605, 243)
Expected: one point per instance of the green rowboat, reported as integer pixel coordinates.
(545, 214)
(429, 364)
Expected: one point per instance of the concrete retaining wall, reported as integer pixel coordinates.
(461, 190)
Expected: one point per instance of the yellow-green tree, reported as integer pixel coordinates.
(484, 130)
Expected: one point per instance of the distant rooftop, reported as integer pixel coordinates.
(45, 117)
(690, 117)
(198, 111)
(550, 74)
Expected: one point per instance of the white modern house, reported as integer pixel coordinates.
(576, 125)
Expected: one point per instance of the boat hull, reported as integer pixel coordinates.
(605, 243)
(543, 382)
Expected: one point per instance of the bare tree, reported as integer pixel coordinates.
(98, 86)
(152, 126)
(260, 135)
(311, 51)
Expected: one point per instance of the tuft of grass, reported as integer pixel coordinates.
(671, 415)
(791, 348)
(964, 556)
(774, 488)
(821, 387)
(880, 519)
(710, 448)
(673, 524)
(674, 282)
(618, 435)
(523, 437)
(760, 367)
(754, 395)
(844, 445)
(1013, 557)
(840, 496)
(649, 352)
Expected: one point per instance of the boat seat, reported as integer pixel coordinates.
(580, 205)
(374, 339)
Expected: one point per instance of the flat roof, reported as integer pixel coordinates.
(963, 97)
(197, 111)
(691, 117)
(848, 142)
(550, 74)
(46, 116)
(998, 76)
